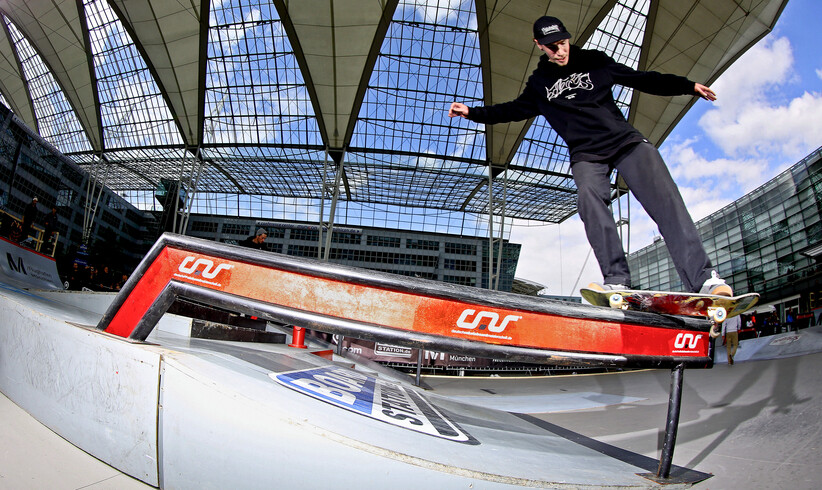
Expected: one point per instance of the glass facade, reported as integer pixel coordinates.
(764, 242)
(30, 167)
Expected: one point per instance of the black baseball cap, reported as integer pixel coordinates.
(549, 30)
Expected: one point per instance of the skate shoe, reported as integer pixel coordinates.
(716, 285)
(608, 287)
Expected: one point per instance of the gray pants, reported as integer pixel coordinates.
(650, 182)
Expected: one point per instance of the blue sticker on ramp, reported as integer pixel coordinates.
(374, 398)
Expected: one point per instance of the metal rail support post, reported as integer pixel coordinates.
(674, 404)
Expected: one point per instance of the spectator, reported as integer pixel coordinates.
(119, 285)
(29, 215)
(93, 279)
(106, 279)
(257, 241)
(49, 223)
(774, 320)
(730, 332)
(74, 278)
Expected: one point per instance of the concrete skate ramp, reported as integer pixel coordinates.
(790, 344)
(181, 412)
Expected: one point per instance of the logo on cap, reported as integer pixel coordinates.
(550, 29)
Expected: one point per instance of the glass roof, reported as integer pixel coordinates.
(132, 109)
(248, 102)
(56, 120)
(255, 92)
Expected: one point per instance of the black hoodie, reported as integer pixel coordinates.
(577, 100)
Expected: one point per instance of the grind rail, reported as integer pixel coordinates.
(407, 311)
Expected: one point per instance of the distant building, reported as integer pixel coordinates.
(769, 242)
(31, 167)
(569, 299)
(440, 257)
(526, 287)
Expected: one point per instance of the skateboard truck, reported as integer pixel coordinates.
(717, 315)
(616, 300)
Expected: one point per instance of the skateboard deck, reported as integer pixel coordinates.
(716, 308)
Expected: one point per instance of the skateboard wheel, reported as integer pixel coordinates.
(715, 331)
(719, 315)
(616, 300)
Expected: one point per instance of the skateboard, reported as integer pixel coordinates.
(715, 308)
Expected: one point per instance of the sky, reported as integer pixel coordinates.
(767, 117)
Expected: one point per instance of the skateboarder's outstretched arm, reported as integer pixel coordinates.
(458, 109)
(705, 92)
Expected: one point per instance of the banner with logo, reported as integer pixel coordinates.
(25, 268)
(379, 351)
(382, 352)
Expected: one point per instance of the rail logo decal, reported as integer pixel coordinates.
(210, 272)
(190, 268)
(374, 398)
(484, 320)
(688, 340)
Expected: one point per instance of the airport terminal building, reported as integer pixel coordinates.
(769, 242)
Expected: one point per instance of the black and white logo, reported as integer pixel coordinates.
(550, 29)
(581, 81)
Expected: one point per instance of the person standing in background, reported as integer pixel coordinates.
(730, 333)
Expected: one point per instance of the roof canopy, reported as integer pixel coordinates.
(256, 97)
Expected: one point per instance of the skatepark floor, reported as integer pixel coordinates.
(32, 456)
(752, 425)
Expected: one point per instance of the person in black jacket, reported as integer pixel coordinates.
(29, 216)
(572, 88)
(49, 225)
(257, 241)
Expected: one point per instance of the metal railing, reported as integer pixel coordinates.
(13, 229)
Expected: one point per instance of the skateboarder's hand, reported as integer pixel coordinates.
(458, 109)
(704, 92)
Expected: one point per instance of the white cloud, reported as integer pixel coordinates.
(753, 116)
(438, 10)
(791, 130)
(556, 256)
(687, 165)
(708, 185)
(819, 73)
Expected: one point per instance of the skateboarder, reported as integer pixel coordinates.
(571, 88)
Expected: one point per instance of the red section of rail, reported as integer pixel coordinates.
(335, 294)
